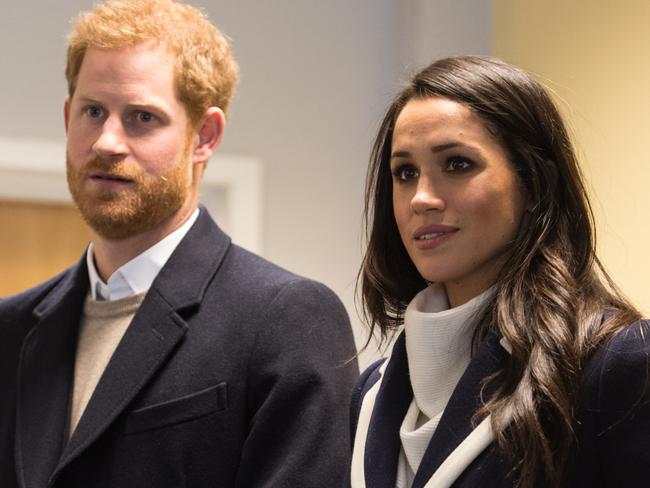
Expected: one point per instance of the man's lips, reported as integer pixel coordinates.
(101, 176)
(430, 236)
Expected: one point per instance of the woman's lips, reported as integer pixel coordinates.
(431, 236)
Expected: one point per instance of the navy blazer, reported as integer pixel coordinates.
(612, 419)
(231, 374)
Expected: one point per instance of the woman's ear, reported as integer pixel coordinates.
(208, 134)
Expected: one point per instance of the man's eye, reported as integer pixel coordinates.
(405, 173)
(145, 116)
(94, 112)
(458, 165)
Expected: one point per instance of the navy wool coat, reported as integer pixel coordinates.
(612, 430)
(232, 374)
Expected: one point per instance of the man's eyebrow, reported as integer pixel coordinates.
(141, 105)
(147, 106)
(435, 149)
(85, 99)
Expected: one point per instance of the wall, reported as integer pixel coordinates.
(593, 55)
(432, 29)
(316, 79)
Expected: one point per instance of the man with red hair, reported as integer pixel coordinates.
(167, 356)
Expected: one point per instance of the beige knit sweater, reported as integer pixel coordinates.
(103, 324)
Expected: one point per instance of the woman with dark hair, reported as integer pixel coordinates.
(520, 363)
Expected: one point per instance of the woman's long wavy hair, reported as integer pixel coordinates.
(553, 291)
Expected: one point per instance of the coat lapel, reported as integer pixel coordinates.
(45, 379)
(456, 421)
(383, 441)
(155, 332)
(151, 337)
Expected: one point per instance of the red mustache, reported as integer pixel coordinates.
(117, 170)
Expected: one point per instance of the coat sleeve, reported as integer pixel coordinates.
(300, 376)
(615, 447)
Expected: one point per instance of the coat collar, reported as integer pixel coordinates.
(47, 359)
(196, 259)
(45, 375)
(392, 402)
(394, 396)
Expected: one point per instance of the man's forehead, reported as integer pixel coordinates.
(143, 50)
(132, 64)
(140, 75)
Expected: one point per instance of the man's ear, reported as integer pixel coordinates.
(66, 113)
(208, 133)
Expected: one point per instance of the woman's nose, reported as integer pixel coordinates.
(427, 197)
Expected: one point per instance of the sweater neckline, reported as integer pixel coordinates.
(113, 308)
(438, 344)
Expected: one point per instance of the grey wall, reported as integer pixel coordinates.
(431, 29)
(316, 78)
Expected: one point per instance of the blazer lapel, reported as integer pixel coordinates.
(45, 379)
(383, 441)
(456, 421)
(152, 335)
(156, 330)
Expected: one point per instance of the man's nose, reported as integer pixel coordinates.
(111, 142)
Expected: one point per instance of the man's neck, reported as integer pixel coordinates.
(111, 254)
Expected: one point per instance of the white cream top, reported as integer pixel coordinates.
(438, 348)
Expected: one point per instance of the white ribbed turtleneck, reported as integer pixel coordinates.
(438, 348)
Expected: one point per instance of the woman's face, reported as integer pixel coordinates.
(457, 200)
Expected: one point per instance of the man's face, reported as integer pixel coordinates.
(129, 146)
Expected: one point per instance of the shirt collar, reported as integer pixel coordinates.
(137, 275)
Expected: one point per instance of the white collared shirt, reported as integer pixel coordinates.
(137, 275)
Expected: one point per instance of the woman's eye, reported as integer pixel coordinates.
(457, 165)
(406, 173)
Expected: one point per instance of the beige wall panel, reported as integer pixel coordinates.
(37, 242)
(594, 56)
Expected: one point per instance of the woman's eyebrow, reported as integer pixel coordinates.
(444, 147)
(434, 149)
